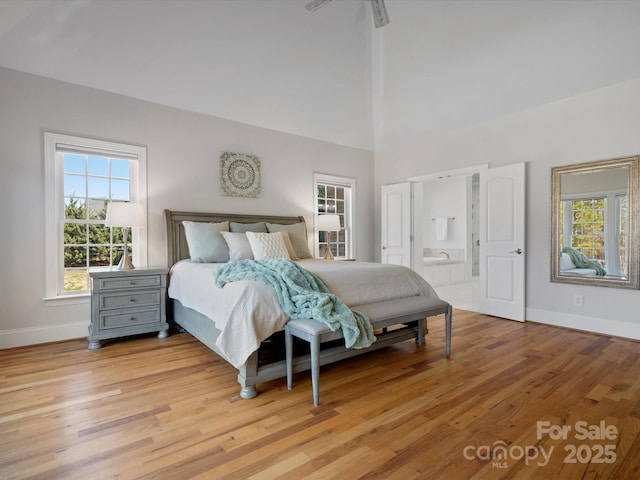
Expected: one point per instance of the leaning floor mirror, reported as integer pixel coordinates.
(594, 223)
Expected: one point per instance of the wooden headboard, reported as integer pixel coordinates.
(177, 248)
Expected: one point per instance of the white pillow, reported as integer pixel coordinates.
(267, 245)
(239, 246)
(566, 263)
(206, 245)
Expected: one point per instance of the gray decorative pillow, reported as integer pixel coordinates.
(239, 246)
(297, 234)
(287, 243)
(259, 227)
(205, 242)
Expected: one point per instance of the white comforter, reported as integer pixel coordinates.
(248, 312)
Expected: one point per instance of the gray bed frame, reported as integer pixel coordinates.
(411, 322)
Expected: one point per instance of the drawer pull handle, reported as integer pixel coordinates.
(132, 299)
(132, 282)
(132, 319)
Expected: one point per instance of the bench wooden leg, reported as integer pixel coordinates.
(315, 368)
(420, 336)
(288, 346)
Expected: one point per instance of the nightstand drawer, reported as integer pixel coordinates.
(129, 300)
(131, 281)
(131, 318)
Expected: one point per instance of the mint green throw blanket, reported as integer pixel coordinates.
(301, 294)
(580, 261)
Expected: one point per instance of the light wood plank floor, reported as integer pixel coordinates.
(150, 408)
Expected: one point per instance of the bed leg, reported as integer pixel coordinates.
(248, 392)
(247, 376)
(448, 331)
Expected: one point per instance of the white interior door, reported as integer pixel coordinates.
(396, 224)
(502, 249)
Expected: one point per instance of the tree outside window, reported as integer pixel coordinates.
(587, 227)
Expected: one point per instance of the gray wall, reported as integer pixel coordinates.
(597, 125)
(458, 84)
(183, 174)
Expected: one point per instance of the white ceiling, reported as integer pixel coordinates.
(452, 64)
(439, 65)
(269, 63)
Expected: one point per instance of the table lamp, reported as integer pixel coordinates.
(328, 223)
(125, 215)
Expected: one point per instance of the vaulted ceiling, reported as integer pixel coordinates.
(438, 65)
(269, 63)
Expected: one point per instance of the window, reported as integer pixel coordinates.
(335, 195)
(595, 226)
(587, 227)
(82, 177)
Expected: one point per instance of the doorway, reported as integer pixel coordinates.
(501, 218)
(451, 257)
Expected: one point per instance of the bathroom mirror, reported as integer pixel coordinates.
(594, 223)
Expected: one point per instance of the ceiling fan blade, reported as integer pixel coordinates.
(380, 17)
(316, 4)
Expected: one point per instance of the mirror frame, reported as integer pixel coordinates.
(633, 280)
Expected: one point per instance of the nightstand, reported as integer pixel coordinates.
(127, 302)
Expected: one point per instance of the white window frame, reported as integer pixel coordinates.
(349, 211)
(54, 204)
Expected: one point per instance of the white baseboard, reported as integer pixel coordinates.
(31, 336)
(585, 323)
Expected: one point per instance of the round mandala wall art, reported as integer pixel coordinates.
(239, 175)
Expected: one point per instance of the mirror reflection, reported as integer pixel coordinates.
(594, 231)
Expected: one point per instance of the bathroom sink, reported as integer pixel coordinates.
(437, 260)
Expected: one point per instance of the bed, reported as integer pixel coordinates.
(405, 302)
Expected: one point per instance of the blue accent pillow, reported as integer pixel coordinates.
(259, 227)
(206, 244)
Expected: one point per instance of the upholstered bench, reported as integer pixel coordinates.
(411, 310)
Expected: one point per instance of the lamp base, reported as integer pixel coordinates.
(125, 263)
(328, 255)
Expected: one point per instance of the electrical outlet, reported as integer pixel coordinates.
(578, 300)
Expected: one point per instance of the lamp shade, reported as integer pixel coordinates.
(124, 214)
(328, 223)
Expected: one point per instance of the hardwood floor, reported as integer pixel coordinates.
(150, 408)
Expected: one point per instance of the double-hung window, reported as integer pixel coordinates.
(82, 177)
(335, 195)
(585, 231)
(595, 226)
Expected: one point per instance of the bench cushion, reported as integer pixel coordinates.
(402, 310)
(381, 314)
(308, 326)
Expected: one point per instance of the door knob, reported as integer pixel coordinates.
(384, 248)
(518, 251)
